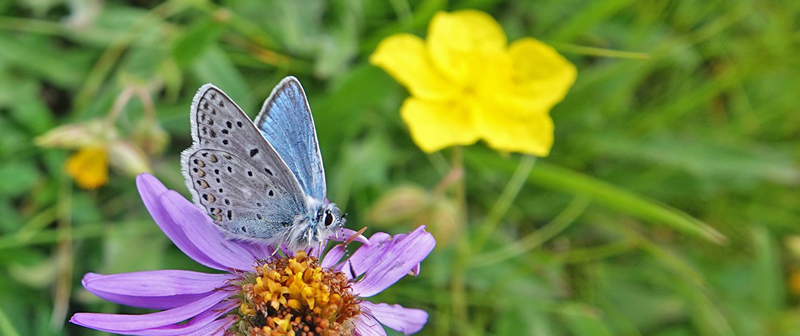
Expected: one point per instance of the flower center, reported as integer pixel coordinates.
(295, 296)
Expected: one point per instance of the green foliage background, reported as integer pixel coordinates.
(683, 113)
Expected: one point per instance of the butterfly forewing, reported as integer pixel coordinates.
(286, 122)
(234, 173)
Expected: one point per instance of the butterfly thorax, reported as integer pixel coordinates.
(315, 226)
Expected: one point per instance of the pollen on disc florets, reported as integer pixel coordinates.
(296, 297)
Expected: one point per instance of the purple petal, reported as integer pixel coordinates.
(367, 326)
(202, 231)
(368, 255)
(151, 190)
(397, 317)
(333, 256)
(400, 258)
(163, 289)
(207, 323)
(216, 328)
(202, 324)
(119, 323)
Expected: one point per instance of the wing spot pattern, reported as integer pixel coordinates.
(203, 184)
(259, 216)
(230, 215)
(200, 173)
(213, 134)
(271, 193)
(229, 124)
(244, 229)
(269, 172)
(253, 152)
(230, 170)
(218, 180)
(225, 141)
(220, 190)
(224, 131)
(213, 159)
(258, 204)
(250, 173)
(216, 171)
(239, 123)
(227, 202)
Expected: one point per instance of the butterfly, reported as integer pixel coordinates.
(263, 180)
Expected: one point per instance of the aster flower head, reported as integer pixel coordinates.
(263, 292)
(467, 83)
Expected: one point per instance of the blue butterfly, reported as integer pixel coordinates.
(260, 181)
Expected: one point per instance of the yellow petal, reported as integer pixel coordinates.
(540, 76)
(435, 125)
(461, 41)
(89, 167)
(507, 131)
(405, 57)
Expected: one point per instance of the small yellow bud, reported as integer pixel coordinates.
(399, 205)
(76, 136)
(127, 158)
(150, 137)
(443, 221)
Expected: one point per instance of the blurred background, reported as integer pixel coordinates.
(669, 205)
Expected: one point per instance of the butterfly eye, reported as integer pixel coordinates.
(328, 219)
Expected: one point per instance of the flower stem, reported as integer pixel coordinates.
(458, 291)
(505, 200)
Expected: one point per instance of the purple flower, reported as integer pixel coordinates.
(262, 293)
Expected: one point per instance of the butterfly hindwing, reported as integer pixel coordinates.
(286, 122)
(241, 198)
(222, 132)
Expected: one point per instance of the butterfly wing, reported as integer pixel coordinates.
(285, 121)
(235, 174)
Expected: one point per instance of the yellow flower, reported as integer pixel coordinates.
(89, 167)
(467, 84)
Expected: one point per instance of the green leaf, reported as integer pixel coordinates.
(62, 67)
(17, 177)
(557, 178)
(6, 326)
(708, 160)
(195, 41)
(583, 320)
